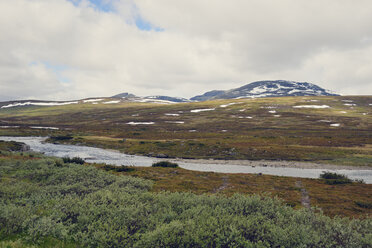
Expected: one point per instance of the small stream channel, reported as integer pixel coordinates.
(98, 155)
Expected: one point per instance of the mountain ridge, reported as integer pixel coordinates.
(267, 88)
(258, 89)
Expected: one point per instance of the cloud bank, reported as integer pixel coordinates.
(60, 49)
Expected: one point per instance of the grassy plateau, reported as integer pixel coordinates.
(268, 128)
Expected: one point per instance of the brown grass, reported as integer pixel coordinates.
(331, 199)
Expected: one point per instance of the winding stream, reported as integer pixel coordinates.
(98, 155)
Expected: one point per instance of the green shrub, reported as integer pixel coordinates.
(61, 137)
(122, 168)
(331, 175)
(58, 163)
(76, 160)
(94, 208)
(334, 178)
(367, 205)
(165, 164)
(11, 145)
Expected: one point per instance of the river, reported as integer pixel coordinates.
(98, 155)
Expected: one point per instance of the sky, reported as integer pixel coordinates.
(74, 49)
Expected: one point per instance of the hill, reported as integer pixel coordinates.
(259, 89)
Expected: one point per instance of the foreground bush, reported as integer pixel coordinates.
(92, 208)
(165, 164)
(75, 160)
(122, 168)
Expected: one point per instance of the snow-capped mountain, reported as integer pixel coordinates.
(167, 98)
(253, 90)
(267, 89)
(130, 97)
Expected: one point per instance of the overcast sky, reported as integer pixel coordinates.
(72, 49)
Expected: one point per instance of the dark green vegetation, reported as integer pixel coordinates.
(122, 168)
(45, 202)
(247, 129)
(11, 146)
(75, 160)
(334, 178)
(165, 164)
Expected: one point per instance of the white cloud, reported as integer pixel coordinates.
(56, 49)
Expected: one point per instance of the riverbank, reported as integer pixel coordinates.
(273, 164)
(352, 199)
(98, 155)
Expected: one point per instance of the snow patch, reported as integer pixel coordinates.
(192, 131)
(112, 102)
(325, 121)
(9, 126)
(140, 123)
(149, 100)
(38, 104)
(175, 122)
(272, 111)
(335, 125)
(201, 110)
(168, 114)
(312, 106)
(349, 104)
(49, 128)
(93, 100)
(277, 115)
(226, 105)
(343, 112)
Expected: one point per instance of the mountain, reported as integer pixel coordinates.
(131, 97)
(167, 98)
(124, 95)
(207, 95)
(267, 89)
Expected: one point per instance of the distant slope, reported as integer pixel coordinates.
(124, 95)
(208, 95)
(131, 97)
(168, 98)
(275, 88)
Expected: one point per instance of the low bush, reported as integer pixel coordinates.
(74, 160)
(93, 208)
(331, 175)
(122, 168)
(367, 205)
(12, 146)
(61, 137)
(165, 164)
(334, 178)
